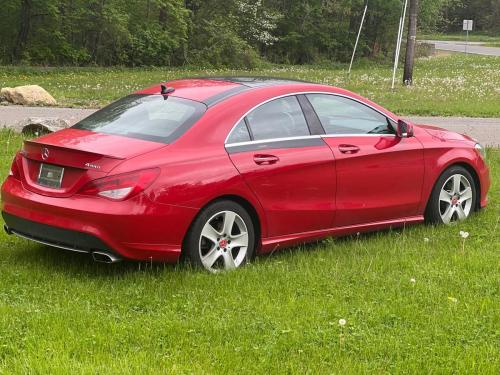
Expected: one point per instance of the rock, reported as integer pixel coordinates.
(27, 95)
(424, 49)
(40, 125)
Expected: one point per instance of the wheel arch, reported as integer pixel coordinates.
(469, 168)
(249, 207)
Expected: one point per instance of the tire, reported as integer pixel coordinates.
(447, 204)
(211, 245)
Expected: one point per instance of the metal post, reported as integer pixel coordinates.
(398, 43)
(467, 40)
(396, 55)
(357, 38)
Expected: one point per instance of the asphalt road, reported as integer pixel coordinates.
(475, 48)
(485, 130)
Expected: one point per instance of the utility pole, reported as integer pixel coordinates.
(411, 42)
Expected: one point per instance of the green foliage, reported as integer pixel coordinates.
(216, 33)
(484, 13)
(218, 46)
(411, 305)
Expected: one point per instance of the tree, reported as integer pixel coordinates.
(220, 33)
(24, 28)
(410, 44)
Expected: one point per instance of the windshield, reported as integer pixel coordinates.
(154, 118)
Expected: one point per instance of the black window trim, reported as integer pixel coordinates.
(249, 129)
(394, 121)
(312, 119)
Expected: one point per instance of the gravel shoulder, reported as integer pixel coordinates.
(485, 130)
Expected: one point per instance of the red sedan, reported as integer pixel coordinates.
(219, 169)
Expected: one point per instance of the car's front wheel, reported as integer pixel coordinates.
(222, 237)
(453, 197)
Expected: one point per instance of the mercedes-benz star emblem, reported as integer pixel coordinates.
(45, 153)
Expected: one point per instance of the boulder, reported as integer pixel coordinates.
(27, 95)
(40, 125)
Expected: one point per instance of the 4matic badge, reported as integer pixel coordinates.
(90, 165)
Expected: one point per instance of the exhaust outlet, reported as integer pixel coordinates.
(102, 257)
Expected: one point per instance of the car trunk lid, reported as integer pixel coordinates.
(79, 155)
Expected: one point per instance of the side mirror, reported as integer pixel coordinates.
(404, 129)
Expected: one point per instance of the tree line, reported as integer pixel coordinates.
(215, 33)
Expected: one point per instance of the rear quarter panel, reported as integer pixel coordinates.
(195, 170)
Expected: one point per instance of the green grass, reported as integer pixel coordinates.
(61, 313)
(473, 37)
(456, 85)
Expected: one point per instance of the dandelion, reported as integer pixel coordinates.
(464, 235)
(342, 323)
(452, 299)
(426, 239)
(412, 280)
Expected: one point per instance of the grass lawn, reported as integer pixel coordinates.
(447, 86)
(418, 300)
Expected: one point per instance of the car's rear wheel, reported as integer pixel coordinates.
(453, 197)
(222, 237)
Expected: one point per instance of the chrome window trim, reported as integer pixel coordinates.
(271, 140)
(357, 135)
(303, 137)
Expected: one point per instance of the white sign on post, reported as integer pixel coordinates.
(468, 25)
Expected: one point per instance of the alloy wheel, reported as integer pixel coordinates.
(455, 199)
(223, 243)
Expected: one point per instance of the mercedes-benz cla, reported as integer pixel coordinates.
(221, 169)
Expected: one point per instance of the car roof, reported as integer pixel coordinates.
(258, 81)
(213, 90)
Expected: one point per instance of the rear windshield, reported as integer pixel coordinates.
(154, 118)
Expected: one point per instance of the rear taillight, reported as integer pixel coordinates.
(14, 169)
(122, 186)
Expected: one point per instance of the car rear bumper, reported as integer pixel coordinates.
(57, 237)
(136, 229)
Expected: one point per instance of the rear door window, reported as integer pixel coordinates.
(279, 118)
(239, 134)
(154, 118)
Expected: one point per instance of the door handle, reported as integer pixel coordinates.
(260, 159)
(348, 149)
